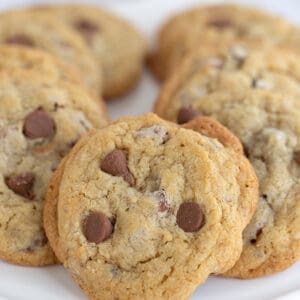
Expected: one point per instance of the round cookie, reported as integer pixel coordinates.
(139, 221)
(231, 67)
(43, 32)
(204, 125)
(116, 45)
(16, 58)
(40, 121)
(215, 23)
(268, 125)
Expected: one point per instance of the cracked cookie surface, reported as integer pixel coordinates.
(25, 29)
(115, 44)
(144, 214)
(268, 126)
(233, 67)
(200, 25)
(40, 121)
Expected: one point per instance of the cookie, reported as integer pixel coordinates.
(40, 121)
(16, 58)
(115, 44)
(144, 214)
(43, 32)
(211, 128)
(268, 125)
(233, 67)
(204, 125)
(216, 23)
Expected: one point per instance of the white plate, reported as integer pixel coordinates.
(53, 283)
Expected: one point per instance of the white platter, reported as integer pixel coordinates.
(23, 283)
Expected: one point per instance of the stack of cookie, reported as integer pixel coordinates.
(146, 208)
(241, 67)
(104, 49)
(56, 65)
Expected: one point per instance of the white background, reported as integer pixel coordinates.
(18, 283)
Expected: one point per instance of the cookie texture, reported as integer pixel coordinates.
(115, 44)
(216, 23)
(26, 29)
(212, 128)
(268, 126)
(144, 214)
(40, 121)
(204, 125)
(16, 58)
(236, 66)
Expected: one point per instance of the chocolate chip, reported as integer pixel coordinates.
(87, 30)
(21, 184)
(37, 243)
(163, 202)
(19, 39)
(97, 227)
(258, 233)
(115, 163)
(85, 26)
(186, 114)
(190, 217)
(297, 157)
(38, 124)
(219, 23)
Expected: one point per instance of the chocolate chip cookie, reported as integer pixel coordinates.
(115, 44)
(40, 121)
(155, 205)
(236, 66)
(216, 23)
(204, 125)
(268, 125)
(26, 29)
